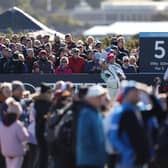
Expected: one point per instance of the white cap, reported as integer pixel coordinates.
(95, 91)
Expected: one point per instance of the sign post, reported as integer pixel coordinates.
(153, 52)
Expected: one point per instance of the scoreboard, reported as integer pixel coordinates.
(153, 52)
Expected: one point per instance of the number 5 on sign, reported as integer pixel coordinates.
(161, 50)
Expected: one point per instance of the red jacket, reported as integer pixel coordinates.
(66, 70)
(77, 65)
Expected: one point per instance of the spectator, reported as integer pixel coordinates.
(37, 47)
(36, 68)
(15, 38)
(76, 63)
(127, 67)
(19, 47)
(90, 147)
(81, 50)
(48, 48)
(46, 39)
(61, 53)
(57, 43)
(89, 43)
(92, 66)
(16, 64)
(13, 135)
(98, 46)
(5, 92)
(45, 65)
(23, 40)
(111, 59)
(121, 48)
(42, 103)
(133, 62)
(6, 53)
(29, 43)
(30, 59)
(69, 41)
(63, 68)
(12, 46)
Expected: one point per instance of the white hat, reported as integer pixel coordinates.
(95, 91)
(13, 107)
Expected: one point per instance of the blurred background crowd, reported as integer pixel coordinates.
(64, 126)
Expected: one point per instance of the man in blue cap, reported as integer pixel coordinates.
(127, 132)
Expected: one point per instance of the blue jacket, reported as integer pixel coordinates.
(128, 136)
(90, 148)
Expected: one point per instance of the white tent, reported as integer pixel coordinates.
(132, 28)
(19, 21)
(97, 31)
(127, 28)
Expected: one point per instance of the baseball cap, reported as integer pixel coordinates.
(95, 91)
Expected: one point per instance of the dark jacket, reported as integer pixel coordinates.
(45, 66)
(42, 106)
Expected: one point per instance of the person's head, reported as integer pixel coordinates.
(64, 61)
(37, 43)
(120, 42)
(29, 43)
(40, 38)
(19, 47)
(131, 94)
(6, 52)
(103, 64)
(90, 55)
(98, 46)
(17, 89)
(81, 48)
(47, 91)
(43, 54)
(46, 39)
(125, 60)
(57, 38)
(11, 110)
(75, 52)
(30, 52)
(12, 46)
(82, 92)
(111, 58)
(133, 60)
(23, 40)
(15, 38)
(90, 40)
(48, 47)
(68, 38)
(36, 67)
(60, 85)
(114, 41)
(66, 98)
(94, 95)
(6, 89)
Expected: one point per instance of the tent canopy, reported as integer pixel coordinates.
(19, 21)
(127, 28)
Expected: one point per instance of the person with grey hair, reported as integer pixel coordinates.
(126, 66)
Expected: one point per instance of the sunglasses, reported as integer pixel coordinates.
(63, 61)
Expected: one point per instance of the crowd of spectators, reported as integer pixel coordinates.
(64, 127)
(23, 54)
